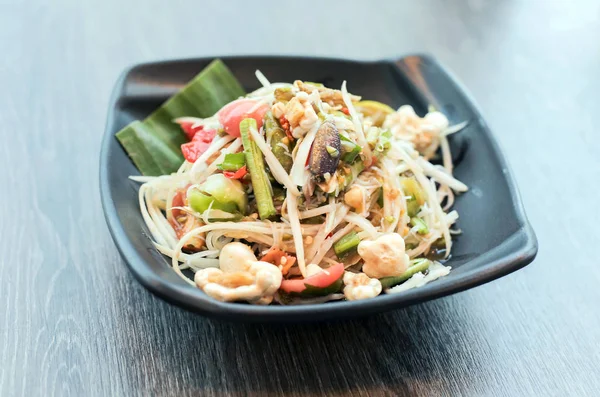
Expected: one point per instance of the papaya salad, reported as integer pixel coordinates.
(300, 193)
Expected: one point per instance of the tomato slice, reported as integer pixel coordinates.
(189, 129)
(204, 135)
(178, 201)
(320, 280)
(233, 113)
(192, 150)
(199, 144)
(239, 174)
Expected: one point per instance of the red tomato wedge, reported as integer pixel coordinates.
(199, 144)
(239, 174)
(189, 129)
(178, 201)
(319, 280)
(192, 150)
(233, 113)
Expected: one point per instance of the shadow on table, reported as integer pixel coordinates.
(414, 350)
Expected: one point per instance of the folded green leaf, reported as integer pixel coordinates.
(154, 144)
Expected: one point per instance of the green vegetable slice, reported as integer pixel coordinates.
(383, 143)
(380, 197)
(379, 140)
(277, 137)
(419, 225)
(411, 188)
(350, 173)
(232, 162)
(346, 246)
(350, 150)
(200, 202)
(154, 144)
(226, 190)
(417, 266)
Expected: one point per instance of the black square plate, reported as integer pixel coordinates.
(497, 238)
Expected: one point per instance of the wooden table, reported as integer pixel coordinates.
(73, 321)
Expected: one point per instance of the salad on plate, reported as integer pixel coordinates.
(295, 193)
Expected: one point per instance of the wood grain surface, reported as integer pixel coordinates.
(73, 321)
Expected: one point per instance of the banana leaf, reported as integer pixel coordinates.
(154, 144)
